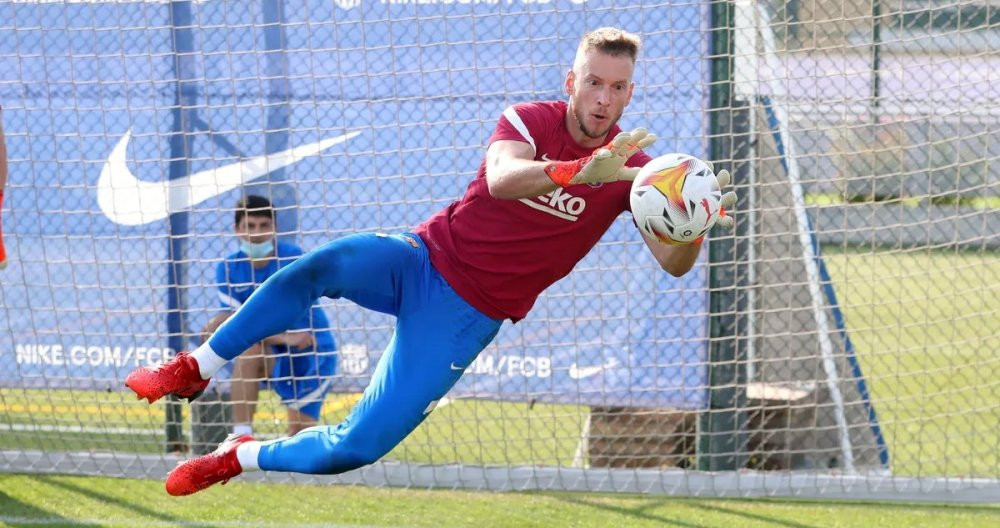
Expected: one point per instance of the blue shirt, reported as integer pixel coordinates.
(237, 279)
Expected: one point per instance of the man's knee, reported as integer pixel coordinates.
(362, 458)
(331, 453)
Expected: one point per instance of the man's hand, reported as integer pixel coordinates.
(298, 339)
(213, 324)
(728, 199)
(606, 164)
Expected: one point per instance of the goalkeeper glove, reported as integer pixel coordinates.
(606, 164)
(728, 199)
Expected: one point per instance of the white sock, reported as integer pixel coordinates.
(208, 361)
(242, 429)
(247, 453)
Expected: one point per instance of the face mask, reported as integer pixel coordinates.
(257, 251)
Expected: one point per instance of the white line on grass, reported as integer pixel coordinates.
(42, 428)
(63, 521)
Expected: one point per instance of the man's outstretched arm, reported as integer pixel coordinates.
(679, 259)
(512, 172)
(675, 260)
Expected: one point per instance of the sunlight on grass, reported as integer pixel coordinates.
(925, 327)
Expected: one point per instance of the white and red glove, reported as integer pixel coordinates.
(728, 199)
(606, 164)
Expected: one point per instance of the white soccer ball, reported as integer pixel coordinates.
(675, 198)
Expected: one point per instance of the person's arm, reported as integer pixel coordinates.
(675, 260)
(298, 339)
(512, 172)
(293, 338)
(213, 324)
(679, 259)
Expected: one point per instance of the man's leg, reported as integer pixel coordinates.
(299, 421)
(302, 393)
(210, 419)
(363, 268)
(250, 369)
(357, 267)
(437, 336)
(302, 379)
(433, 344)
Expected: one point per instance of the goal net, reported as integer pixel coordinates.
(834, 345)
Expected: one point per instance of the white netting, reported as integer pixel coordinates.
(862, 303)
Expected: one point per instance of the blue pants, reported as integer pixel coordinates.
(437, 336)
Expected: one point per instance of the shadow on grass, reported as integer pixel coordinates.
(639, 512)
(722, 506)
(111, 500)
(15, 512)
(942, 507)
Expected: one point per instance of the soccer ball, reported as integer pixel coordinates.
(675, 199)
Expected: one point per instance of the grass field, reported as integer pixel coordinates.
(924, 325)
(479, 432)
(75, 501)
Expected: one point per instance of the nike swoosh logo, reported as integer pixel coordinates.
(456, 367)
(129, 201)
(578, 372)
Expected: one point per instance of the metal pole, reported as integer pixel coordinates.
(722, 428)
(185, 98)
(876, 60)
(275, 187)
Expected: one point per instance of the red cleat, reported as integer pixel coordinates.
(179, 376)
(201, 472)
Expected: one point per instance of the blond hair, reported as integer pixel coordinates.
(611, 41)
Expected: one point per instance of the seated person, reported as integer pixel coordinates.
(298, 364)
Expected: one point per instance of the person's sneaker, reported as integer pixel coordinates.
(199, 473)
(179, 376)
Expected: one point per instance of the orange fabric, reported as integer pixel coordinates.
(561, 172)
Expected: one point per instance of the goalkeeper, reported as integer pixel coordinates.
(541, 200)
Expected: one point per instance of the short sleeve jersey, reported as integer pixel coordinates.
(237, 279)
(499, 255)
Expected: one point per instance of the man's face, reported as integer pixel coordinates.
(255, 229)
(600, 87)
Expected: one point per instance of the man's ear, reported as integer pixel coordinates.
(570, 82)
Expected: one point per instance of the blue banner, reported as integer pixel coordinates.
(371, 116)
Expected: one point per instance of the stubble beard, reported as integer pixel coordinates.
(576, 113)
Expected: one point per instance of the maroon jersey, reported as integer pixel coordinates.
(499, 255)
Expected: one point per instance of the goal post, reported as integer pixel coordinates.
(723, 425)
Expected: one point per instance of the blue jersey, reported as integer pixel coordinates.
(237, 279)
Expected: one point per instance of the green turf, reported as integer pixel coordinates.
(979, 202)
(65, 501)
(925, 326)
(477, 432)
